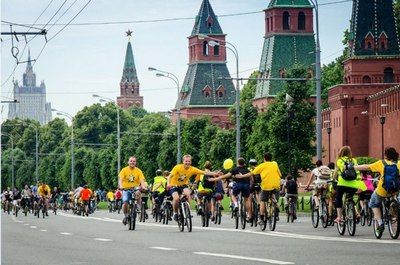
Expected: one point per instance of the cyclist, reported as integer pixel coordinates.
(242, 178)
(331, 192)
(7, 199)
(118, 199)
(44, 193)
(255, 186)
(320, 176)
(110, 196)
(391, 158)
(26, 197)
(16, 199)
(158, 189)
(178, 179)
(130, 177)
(291, 192)
(54, 197)
(205, 189)
(345, 156)
(270, 181)
(366, 195)
(85, 195)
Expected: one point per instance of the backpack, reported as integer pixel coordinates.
(391, 179)
(291, 187)
(207, 184)
(324, 173)
(349, 173)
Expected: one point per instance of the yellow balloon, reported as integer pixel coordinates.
(228, 164)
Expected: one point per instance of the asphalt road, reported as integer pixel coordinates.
(102, 239)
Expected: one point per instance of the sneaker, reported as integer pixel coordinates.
(381, 228)
(125, 220)
(175, 217)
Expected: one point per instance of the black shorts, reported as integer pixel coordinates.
(365, 195)
(265, 195)
(178, 189)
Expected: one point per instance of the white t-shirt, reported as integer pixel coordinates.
(316, 173)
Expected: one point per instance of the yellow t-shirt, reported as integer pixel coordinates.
(379, 167)
(180, 176)
(270, 175)
(110, 195)
(130, 177)
(163, 181)
(44, 191)
(201, 188)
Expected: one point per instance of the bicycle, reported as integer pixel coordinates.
(166, 209)
(366, 215)
(205, 214)
(291, 207)
(239, 213)
(270, 210)
(184, 215)
(217, 211)
(320, 212)
(256, 207)
(132, 210)
(348, 215)
(390, 208)
(143, 214)
(111, 206)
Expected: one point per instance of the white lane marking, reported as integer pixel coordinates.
(26, 224)
(266, 233)
(103, 239)
(34, 227)
(163, 248)
(65, 233)
(271, 261)
(43, 230)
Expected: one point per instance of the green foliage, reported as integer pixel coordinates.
(191, 137)
(366, 160)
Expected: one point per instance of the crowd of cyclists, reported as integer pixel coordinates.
(344, 193)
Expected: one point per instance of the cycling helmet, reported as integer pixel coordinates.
(159, 172)
(252, 162)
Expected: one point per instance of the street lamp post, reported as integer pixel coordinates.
(382, 120)
(215, 42)
(104, 99)
(160, 73)
(65, 114)
(318, 84)
(289, 103)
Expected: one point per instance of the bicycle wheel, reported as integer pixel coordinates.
(132, 217)
(203, 215)
(363, 214)
(370, 214)
(314, 214)
(219, 214)
(188, 217)
(378, 233)
(393, 222)
(242, 215)
(215, 213)
(263, 219)
(292, 211)
(255, 212)
(351, 218)
(324, 214)
(206, 213)
(272, 216)
(341, 226)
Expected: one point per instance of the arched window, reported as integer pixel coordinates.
(216, 50)
(388, 75)
(383, 45)
(301, 21)
(205, 48)
(369, 45)
(286, 20)
(366, 79)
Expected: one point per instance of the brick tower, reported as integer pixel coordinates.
(288, 40)
(129, 85)
(370, 75)
(203, 91)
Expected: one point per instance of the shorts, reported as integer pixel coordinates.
(126, 195)
(178, 189)
(375, 201)
(255, 188)
(241, 187)
(365, 195)
(218, 196)
(265, 194)
(205, 195)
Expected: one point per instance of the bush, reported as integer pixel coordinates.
(366, 160)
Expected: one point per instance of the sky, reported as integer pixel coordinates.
(85, 60)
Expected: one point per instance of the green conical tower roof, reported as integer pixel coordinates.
(129, 73)
(374, 18)
(289, 3)
(206, 21)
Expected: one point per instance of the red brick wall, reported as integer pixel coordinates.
(219, 116)
(274, 20)
(356, 69)
(196, 50)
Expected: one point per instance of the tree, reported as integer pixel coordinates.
(222, 146)
(191, 137)
(166, 157)
(298, 119)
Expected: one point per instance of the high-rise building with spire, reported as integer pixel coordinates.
(206, 91)
(31, 99)
(288, 40)
(129, 85)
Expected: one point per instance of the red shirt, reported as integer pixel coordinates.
(85, 194)
(118, 194)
